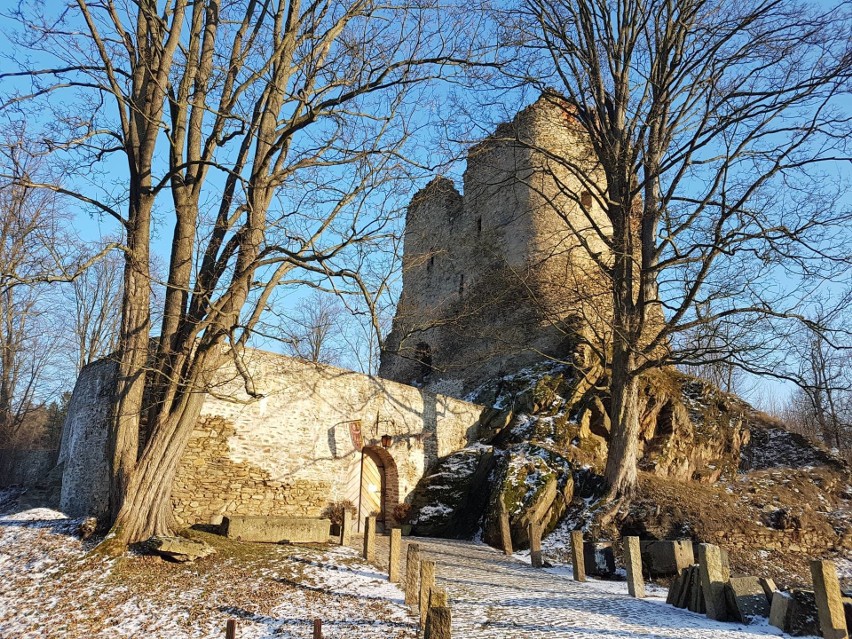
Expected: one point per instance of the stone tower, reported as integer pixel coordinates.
(500, 277)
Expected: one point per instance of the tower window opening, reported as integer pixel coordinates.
(479, 226)
(461, 285)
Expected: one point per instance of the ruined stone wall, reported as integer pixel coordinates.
(82, 452)
(498, 276)
(291, 452)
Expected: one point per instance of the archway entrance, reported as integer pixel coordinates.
(379, 487)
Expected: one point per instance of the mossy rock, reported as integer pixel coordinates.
(534, 484)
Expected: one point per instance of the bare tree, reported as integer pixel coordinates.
(270, 132)
(94, 304)
(717, 136)
(311, 331)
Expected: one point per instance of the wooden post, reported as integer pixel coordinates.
(577, 556)
(394, 555)
(317, 629)
(412, 574)
(346, 528)
(370, 539)
(535, 545)
(439, 625)
(427, 582)
(231, 629)
(505, 529)
(633, 563)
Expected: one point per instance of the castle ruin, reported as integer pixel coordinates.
(500, 276)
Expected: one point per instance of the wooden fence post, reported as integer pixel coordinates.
(317, 628)
(231, 629)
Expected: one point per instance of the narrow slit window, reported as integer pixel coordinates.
(461, 285)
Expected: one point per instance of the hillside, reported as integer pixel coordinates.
(712, 470)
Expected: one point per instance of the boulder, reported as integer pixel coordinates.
(663, 558)
(277, 529)
(599, 558)
(746, 599)
(795, 612)
(179, 549)
(450, 498)
(535, 485)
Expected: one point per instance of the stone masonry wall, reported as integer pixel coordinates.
(292, 452)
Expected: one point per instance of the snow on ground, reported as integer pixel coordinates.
(50, 587)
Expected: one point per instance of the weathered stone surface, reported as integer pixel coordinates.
(535, 545)
(505, 529)
(438, 597)
(662, 558)
(427, 582)
(577, 560)
(179, 549)
(439, 624)
(795, 612)
(832, 619)
(599, 558)
(412, 574)
(746, 599)
(633, 564)
(277, 529)
(713, 578)
(674, 590)
(369, 552)
(769, 588)
(534, 484)
(394, 552)
(83, 452)
(452, 495)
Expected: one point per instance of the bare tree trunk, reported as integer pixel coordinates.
(133, 364)
(621, 473)
(147, 508)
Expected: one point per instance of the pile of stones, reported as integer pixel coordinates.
(707, 587)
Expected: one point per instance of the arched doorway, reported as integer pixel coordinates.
(379, 487)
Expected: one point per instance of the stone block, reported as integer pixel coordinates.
(633, 564)
(795, 612)
(577, 559)
(439, 624)
(535, 545)
(674, 590)
(829, 601)
(369, 553)
(394, 552)
(427, 582)
(662, 558)
(746, 599)
(713, 579)
(412, 574)
(276, 529)
(599, 558)
(769, 588)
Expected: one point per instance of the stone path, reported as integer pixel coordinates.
(497, 597)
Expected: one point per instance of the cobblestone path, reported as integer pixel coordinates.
(497, 597)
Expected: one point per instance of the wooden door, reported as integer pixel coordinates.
(372, 487)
